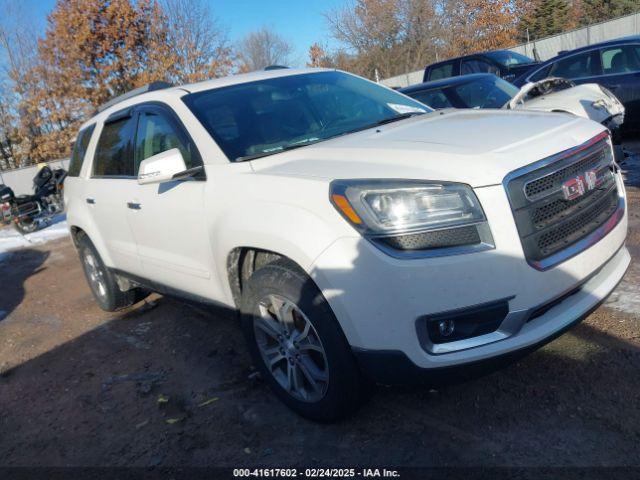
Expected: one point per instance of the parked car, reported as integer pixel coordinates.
(503, 63)
(363, 236)
(614, 64)
(484, 90)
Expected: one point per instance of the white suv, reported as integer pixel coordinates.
(363, 236)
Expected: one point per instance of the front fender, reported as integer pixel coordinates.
(291, 231)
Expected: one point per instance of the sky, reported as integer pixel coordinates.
(301, 22)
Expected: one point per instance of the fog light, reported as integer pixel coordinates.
(463, 323)
(446, 327)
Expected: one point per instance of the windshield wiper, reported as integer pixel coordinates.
(310, 141)
(384, 121)
(395, 118)
(284, 148)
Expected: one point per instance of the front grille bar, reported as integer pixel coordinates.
(552, 215)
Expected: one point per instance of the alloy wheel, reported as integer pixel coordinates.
(95, 274)
(291, 348)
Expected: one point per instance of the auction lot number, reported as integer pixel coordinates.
(315, 472)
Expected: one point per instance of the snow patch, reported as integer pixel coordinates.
(10, 239)
(625, 297)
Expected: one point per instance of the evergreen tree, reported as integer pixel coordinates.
(594, 11)
(547, 17)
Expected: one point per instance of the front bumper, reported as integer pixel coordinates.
(379, 300)
(395, 368)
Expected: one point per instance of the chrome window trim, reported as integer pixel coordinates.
(113, 177)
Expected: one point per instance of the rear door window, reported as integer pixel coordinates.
(620, 60)
(80, 150)
(443, 70)
(113, 156)
(576, 66)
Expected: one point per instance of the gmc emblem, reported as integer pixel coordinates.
(576, 187)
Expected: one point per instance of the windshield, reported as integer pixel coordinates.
(250, 120)
(510, 59)
(487, 92)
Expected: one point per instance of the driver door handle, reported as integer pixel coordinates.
(134, 205)
(91, 201)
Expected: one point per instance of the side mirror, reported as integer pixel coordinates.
(162, 167)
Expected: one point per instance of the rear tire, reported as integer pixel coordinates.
(288, 323)
(103, 282)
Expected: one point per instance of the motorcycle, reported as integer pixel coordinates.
(28, 212)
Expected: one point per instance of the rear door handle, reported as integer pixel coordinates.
(91, 201)
(134, 205)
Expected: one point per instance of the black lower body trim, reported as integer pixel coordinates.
(186, 297)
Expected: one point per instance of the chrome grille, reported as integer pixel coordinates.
(547, 183)
(577, 226)
(549, 219)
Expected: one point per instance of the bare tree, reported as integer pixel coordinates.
(262, 48)
(18, 49)
(198, 42)
(371, 30)
(397, 36)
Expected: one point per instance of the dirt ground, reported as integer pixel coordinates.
(168, 384)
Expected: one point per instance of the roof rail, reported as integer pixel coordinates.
(136, 91)
(275, 67)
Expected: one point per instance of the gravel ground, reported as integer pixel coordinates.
(167, 384)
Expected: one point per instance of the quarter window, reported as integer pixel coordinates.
(158, 133)
(80, 150)
(622, 59)
(113, 156)
(575, 66)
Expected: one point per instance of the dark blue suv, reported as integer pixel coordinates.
(614, 64)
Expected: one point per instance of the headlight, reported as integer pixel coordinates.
(609, 94)
(412, 215)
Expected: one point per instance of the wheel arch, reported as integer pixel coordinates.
(77, 230)
(243, 261)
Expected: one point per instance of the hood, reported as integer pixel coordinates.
(477, 147)
(587, 100)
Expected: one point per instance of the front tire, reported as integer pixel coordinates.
(297, 344)
(102, 281)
